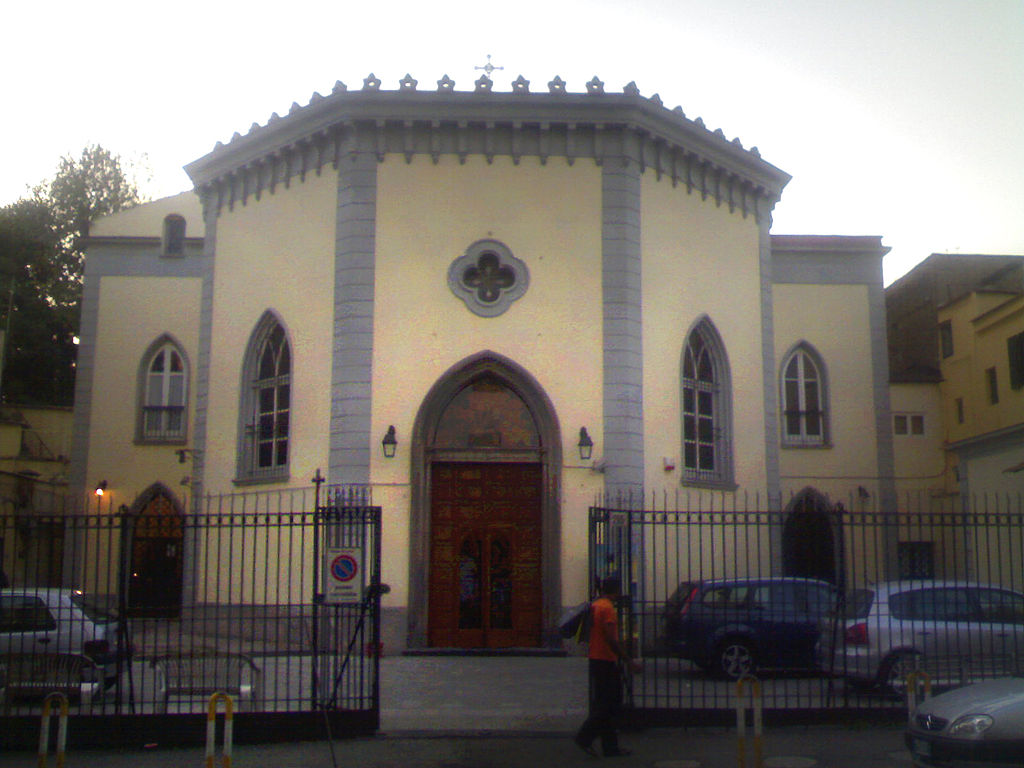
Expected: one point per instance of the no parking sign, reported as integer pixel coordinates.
(343, 575)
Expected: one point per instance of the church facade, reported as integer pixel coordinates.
(490, 309)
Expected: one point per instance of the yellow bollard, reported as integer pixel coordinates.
(912, 688)
(62, 729)
(741, 721)
(211, 729)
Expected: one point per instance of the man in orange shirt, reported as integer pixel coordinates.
(605, 653)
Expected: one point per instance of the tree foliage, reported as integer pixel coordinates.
(42, 240)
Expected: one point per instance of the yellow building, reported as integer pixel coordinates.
(35, 446)
(492, 284)
(981, 340)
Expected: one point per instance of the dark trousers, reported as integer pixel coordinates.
(605, 701)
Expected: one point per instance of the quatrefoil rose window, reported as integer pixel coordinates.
(488, 278)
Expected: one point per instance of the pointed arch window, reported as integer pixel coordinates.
(164, 393)
(804, 399)
(706, 409)
(266, 405)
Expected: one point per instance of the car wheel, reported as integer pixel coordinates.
(896, 668)
(736, 658)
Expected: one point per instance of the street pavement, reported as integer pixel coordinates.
(513, 712)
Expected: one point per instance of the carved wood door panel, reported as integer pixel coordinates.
(155, 580)
(485, 558)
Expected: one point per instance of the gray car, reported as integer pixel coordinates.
(979, 725)
(37, 620)
(955, 631)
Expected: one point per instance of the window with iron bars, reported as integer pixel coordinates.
(166, 389)
(803, 401)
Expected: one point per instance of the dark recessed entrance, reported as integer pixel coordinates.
(808, 544)
(155, 575)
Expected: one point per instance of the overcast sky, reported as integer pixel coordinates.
(899, 118)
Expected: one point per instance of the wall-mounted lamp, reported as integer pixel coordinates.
(184, 454)
(586, 445)
(101, 487)
(389, 443)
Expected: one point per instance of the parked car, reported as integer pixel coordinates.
(733, 627)
(49, 620)
(955, 631)
(979, 725)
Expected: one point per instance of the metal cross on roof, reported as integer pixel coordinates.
(488, 67)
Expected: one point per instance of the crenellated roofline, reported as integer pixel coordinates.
(598, 126)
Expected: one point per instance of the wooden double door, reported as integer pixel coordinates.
(485, 555)
(155, 580)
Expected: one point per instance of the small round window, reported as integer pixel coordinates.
(488, 278)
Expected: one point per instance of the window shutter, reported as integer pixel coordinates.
(1015, 351)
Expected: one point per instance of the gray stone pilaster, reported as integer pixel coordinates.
(769, 378)
(623, 450)
(352, 355)
(202, 397)
(887, 496)
(880, 386)
(85, 368)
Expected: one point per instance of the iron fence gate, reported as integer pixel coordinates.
(161, 608)
(346, 608)
(828, 607)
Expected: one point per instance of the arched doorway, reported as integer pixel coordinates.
(808, 539)
(155, 535)
(484, 569)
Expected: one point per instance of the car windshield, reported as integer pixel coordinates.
(683, 594)
(97, 608)
(858, 603)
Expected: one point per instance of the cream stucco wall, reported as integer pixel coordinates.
(835, 320)
(52, 425)
(699, 260)
(549, 216)
(276, 253)
(919, 460)
(991, 483)
(146, 220)
(155, 306)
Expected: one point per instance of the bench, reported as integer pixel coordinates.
(38, 674)
(204, 673)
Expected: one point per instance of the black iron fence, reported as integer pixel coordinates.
(139, 615)
(828, 607)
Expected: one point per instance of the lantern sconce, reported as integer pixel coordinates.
(101, 487)
(184, 454)
(389, 443)
(586, 445)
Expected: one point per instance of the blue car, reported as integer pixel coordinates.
(733, 627)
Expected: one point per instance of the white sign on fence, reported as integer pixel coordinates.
(343, 575)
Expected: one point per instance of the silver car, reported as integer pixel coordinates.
(47, 620)
(980, 725)
(955, 631)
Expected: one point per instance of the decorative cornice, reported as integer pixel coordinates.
(988, 442)
(852, 244)
(827, 259)
(595, 125)
(137, 240)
